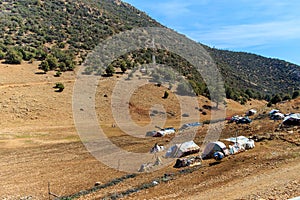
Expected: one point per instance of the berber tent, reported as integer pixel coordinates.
(213, 147)
(183, 149)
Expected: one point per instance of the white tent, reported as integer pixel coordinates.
(278, 116)
(251, 112)
(213, 147)
(243, 141)
(180, 150)
(273, 111)
(293, 119)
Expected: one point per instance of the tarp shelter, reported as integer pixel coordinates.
(251, 112)
(243, 141)
(151, 133)
(272, 112)
(188, 125)
(277, 116)
(213, 147)
(293, 119)
(190, 161)
(156, 148)
(184, 149)
(244, 120)
(164, 132)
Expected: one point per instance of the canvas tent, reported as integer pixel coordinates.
(183, 149)
(164, 132)
(251, 112)
(277, 116)
(213, 147)
(273, 111)
(293, 119)
(242, 141)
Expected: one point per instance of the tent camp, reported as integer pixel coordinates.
(213, 147)
(184, 149)
(293, 119)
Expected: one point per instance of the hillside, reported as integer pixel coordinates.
(44, 157)
(261, 74)
(63, 32)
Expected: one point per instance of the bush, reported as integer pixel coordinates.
(44, 66)
(13, 57)
(287, 97)
(59, 86)
(52, 62)
(58, 73)
(110, 70)
(166, 95)
(275, 99)
(2, 55)
(295, 94)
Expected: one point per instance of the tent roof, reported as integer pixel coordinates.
(178, 150)
(292, 116)
(239, 139)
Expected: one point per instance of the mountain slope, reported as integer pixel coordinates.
(259, 73)
(69, 29)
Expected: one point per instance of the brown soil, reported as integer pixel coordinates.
(39, 145)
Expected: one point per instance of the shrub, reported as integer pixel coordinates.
(59, 86)
(13, 57)
(58, 73)
(52, 62)
(110, 70)
(44, 66)
(287, 97)
(2, 55)
(295, 94)
(275, 99)
(166, 95)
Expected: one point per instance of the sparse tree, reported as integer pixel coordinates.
(110, 70)
(13, 57)
(44, 66)
(296, 94)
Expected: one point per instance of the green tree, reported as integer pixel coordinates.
(52, 62)
(110, 70)
(2, 55)
(296, 94)
(44, 66)
(123, 66)
(275, 99)
(13, 57)
(250, 93)
(286, 97)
